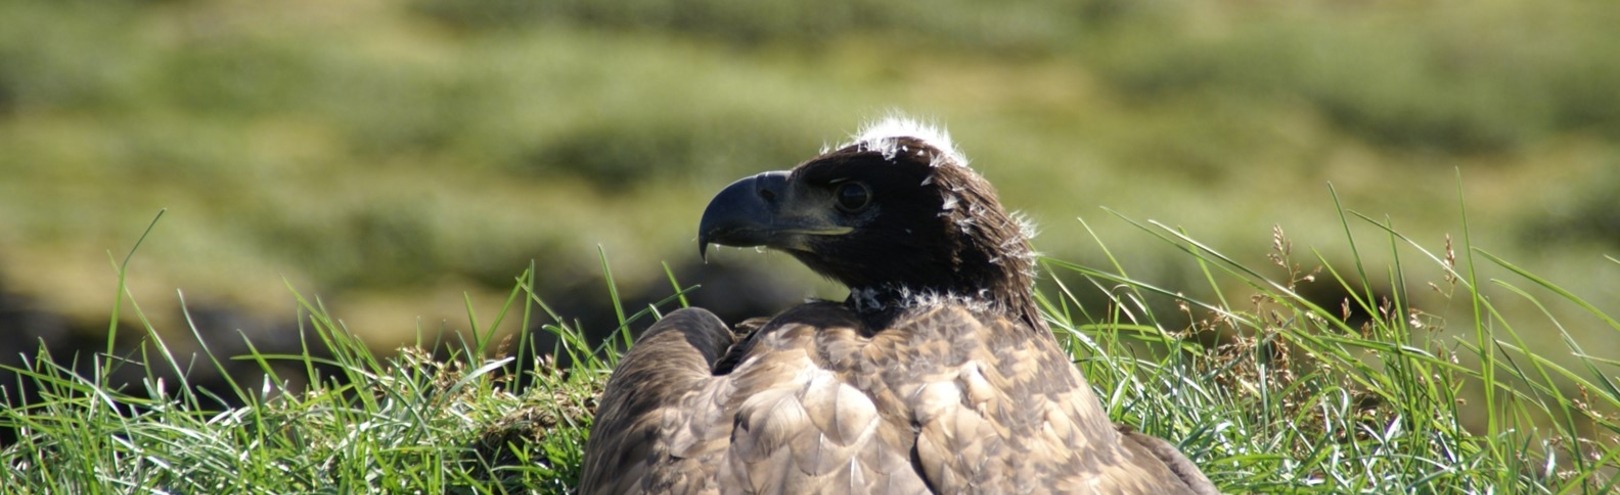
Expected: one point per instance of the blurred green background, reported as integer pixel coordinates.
(389, 156)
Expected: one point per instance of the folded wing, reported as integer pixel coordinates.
(945, 401)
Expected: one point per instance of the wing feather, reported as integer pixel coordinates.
(655, 410)
(946, 400)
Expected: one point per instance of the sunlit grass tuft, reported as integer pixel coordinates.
(471, 420)
(1272, 392)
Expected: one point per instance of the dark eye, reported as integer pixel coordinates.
(852, 196)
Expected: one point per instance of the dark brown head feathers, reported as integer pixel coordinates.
(897, 216)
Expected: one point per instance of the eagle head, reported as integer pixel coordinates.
(895, 214)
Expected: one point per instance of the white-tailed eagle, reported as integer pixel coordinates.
(937, 374)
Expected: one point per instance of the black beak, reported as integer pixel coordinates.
(744, 214)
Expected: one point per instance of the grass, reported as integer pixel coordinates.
(377, 151)
(1267, 390)
(363, 423)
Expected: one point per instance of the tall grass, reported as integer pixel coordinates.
(1267, 390)
(1273, 392)
(466, 423)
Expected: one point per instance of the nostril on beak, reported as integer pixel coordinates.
(771, 187)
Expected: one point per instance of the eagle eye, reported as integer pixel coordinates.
(852, 196)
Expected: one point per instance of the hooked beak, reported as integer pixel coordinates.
(757, 211)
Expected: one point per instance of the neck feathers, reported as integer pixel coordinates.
(1002, 287)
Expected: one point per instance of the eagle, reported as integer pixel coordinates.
(937, 374)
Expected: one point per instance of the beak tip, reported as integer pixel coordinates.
(742, 214)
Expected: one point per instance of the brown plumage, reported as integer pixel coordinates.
(936, 375)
